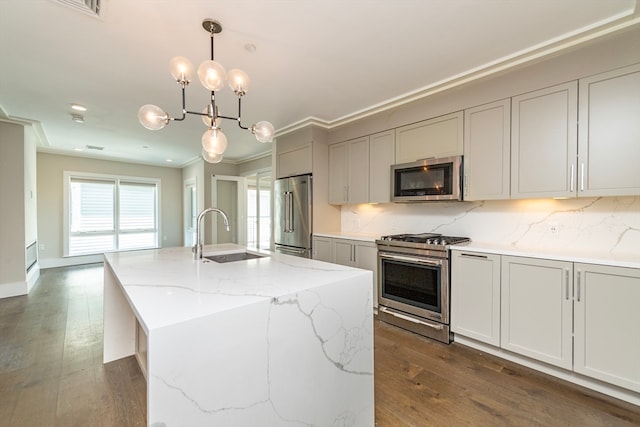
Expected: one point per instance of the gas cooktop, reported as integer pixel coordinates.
(422, 239)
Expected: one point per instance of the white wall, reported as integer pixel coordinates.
(50, 201)
(12, 210)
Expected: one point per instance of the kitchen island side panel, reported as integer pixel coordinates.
(303, 358)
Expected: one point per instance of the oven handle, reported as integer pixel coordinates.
(410, 319)
(435, 262)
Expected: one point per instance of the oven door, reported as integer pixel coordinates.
(414, 284)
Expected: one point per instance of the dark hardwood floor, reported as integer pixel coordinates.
(51, 373)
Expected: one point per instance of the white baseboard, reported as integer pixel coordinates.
(593, 384)
(69, 261)
(32, 276)
(13, 289)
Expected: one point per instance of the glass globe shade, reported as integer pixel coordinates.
(238, 81)
(152, 117)
(214, 141)
(207, 120)
(263, 131)
(181, 69)
(212, 75)
(211, 157)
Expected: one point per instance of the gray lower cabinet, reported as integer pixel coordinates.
(475, 296)
(580, 317)
(349, 252)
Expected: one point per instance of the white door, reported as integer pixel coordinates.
(259, 210)
(228, 194)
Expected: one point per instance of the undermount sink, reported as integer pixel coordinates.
(237, 256)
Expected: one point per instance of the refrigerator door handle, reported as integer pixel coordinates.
(287, 209)
(291, 228)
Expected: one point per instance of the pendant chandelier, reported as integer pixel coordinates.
(213, 76)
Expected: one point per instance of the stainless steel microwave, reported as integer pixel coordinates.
(427, 180)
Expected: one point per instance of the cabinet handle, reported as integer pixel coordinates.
(582, 176)
(578, 293)
(474, 256)
(353, 251)
(466, 185)
(572, 179)
(566, 284)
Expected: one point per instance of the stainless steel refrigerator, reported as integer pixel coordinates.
(292, 217)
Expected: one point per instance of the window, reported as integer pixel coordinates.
(259, 210)
(107, 214)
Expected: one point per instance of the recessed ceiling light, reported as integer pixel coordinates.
(78, 107)
(77, 149)
(77, 118)
(169, 160)
(250, 47)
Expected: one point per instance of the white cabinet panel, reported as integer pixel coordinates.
(297, 161)
(322, 249)
(607, 318)
(475, 296)
(544, 142)
(382, 154)
(536, 309)
(438, 137)
(487, 151)
(349, 172)
(609, 133)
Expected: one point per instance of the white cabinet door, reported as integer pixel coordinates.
(296, 161)
(338, 173)
(609, 133)
(358, 170)
(367, 259)
(322, 249)
(475, 296)
(536, 309)
(349, 172)
(487, 151)
(344, 252)
(438, 137)
(382, 154)
(544, 142)
(607, 318)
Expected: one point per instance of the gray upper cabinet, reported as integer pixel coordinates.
(438, 137)
(294, 161)
(544, 142)
(487, 140)
(382, 154)
(609, 133)
(349, 172)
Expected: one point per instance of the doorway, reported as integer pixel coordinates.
(259, 210)
(228, 194)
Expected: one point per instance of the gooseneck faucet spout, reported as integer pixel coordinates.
(197, 248)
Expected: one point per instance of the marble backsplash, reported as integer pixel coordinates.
(603, 224)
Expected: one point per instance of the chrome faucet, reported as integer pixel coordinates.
(197, 248)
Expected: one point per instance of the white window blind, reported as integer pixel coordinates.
(111, 214)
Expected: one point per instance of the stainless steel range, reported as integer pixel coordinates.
(413, 282)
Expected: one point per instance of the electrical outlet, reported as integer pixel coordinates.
(554, 229)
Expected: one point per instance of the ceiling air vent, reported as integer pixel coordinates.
(95, 147)
(90, 7)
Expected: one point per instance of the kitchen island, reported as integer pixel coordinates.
(275, 340)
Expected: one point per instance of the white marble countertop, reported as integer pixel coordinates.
(351, 236)
(167, 286)
(588, 257)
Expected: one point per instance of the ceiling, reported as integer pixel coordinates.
(321, 61)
